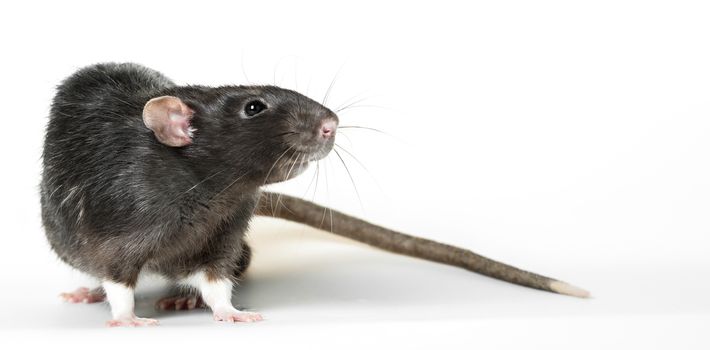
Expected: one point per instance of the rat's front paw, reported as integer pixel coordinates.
(132, 322)
(234, 315)
(84, 295)
(187, 302)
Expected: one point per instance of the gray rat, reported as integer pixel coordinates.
(140, 174)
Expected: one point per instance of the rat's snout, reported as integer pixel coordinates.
(327, 128)
(316, 136)
(310, 128)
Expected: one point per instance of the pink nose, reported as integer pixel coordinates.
(327, 128)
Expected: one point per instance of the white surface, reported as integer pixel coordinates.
(566, 138)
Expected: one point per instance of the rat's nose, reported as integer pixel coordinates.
(327, 128)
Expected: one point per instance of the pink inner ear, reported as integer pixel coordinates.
(169, 119)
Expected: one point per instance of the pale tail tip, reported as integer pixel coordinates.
(568, 289)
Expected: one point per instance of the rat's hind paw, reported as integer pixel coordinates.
(180, 302)
(233, 315)
(84, 295)
(132, 322)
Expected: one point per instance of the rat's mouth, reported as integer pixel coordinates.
(295, 161)
(311, 153)
(321, 153)
(301, 158)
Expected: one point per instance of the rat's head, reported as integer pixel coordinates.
(271, 131)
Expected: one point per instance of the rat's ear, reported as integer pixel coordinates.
(169, 118)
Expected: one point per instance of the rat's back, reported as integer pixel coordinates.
(95, 140)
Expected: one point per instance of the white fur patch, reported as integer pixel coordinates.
(217, 294)
(121, 299)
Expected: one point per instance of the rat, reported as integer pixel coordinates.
(143, 175)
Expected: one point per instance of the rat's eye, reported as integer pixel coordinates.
(253, 108)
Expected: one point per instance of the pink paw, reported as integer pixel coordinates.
(132, 322)
(84, 295)
(234, 315)
(180, 303)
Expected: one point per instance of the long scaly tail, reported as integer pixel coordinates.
(311, 214)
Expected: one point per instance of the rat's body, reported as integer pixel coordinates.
(113, 196)
(117, 200)
(143, 175)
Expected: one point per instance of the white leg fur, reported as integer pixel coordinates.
(217, 294)
(121, 299)
(122, 302)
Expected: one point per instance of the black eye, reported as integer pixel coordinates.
(253, 108)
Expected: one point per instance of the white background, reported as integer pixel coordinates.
(568, 138)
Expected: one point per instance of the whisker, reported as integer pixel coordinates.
(278, 199)
(348, 105)
(197, 184)
(309, 185)
(295, 73)
(293, 119)
(350, 101)
(357, 127)
(327, 193)
(298, 104)
(275, 206)
(351, 179)
(350, 141)
(382, 191)
(298, 157)
(283, 134)
(328, 198)
(244, 71)
(330, 87)
(308, 87)
(273, 165)
(362, 127)
(230, 185)
(326, 208)
(315, 189)
(358, 106)
(351, 155)
(276, 67)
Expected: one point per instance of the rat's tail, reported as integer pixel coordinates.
(305, 212)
